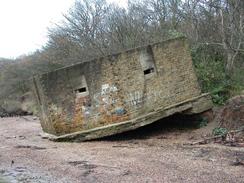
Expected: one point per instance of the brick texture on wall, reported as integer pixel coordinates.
(116, 88)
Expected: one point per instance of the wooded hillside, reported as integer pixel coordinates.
(94, 28)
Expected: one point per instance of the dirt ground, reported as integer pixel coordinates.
(157, 153)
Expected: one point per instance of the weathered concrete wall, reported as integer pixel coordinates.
(116, 88)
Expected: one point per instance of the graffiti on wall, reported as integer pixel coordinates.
(107, 105)
(138, 98)
(135, 98)
(110, 101)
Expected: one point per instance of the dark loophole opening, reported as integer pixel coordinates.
(81, 90)
(148, 71)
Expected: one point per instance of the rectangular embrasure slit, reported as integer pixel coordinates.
(148, 71)
(81, 90)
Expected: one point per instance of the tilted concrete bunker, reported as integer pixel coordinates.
(119, 92)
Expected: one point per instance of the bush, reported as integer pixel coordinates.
(203, 122)
(210, 69)
(220, 131)
(237, 81)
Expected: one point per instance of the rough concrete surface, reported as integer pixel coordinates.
(157, 154)
(117, 88)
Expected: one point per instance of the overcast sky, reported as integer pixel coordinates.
(23, 23)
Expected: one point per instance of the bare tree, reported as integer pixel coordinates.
(94, 28)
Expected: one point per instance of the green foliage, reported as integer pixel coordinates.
(220, 131)
(237, 81)
(213, 78)
(210, 69)
(220, 94)
(174, 34)
(202, 122)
